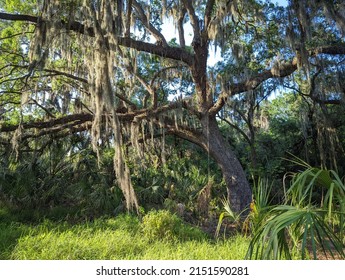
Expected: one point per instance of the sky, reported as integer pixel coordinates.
(283, 3)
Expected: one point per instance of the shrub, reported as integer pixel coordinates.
(163, 225)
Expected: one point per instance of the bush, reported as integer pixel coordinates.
(163, 225)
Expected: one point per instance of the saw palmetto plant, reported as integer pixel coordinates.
(311, 222)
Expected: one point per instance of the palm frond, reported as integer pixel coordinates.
(227, 213)
(304, 225)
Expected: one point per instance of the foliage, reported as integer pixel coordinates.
(291, 228)
(307, 223)
(61, 176)
(227, 214)
(109, 238)
(260, 206)
(180, 179)
(306, 186)
(163, 225)
(322, 188)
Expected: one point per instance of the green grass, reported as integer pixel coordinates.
(121, 238)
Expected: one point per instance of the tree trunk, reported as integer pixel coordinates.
(239, 191)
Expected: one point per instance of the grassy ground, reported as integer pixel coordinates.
(159, 236)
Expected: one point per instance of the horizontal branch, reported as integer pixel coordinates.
(252, 83)
(282, 71)
(18, 17)
(338, 49)
(68, 75)
(56, 123)
(175, 53)
(277, 71)
(185, 132)
(48, 124)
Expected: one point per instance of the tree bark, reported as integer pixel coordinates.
(238, 189)
(210, 139)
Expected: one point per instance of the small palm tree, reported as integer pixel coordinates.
(320, 187)
(308, 222)
(227, 214)
(260, 204)
(293, 229)
(257, 210)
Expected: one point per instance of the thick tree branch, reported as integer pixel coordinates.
(128, 18)
(208, 13)
(175, 53)
(278, 71)
(51, 123)
(338, 49)
(58, 124)
(186, 133)
(252, 83)
(180, 28)
(72, 127)
(193, 19)
(17, 17)
(88, 117)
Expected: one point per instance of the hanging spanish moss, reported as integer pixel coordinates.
(335, 12)
(16, 139)
(99, 69)
(303, 16)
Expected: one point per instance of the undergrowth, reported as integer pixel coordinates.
(159, 235)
